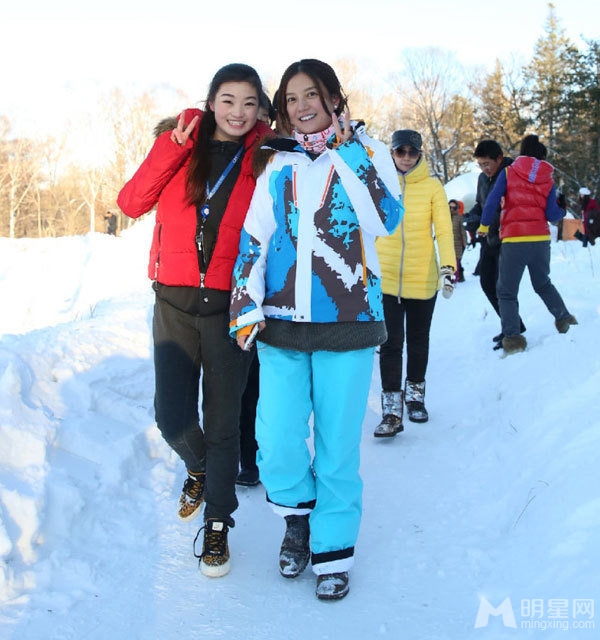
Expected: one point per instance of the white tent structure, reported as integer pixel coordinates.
(463, 188)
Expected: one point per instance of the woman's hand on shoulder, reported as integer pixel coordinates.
(347, 133)
(181, 133)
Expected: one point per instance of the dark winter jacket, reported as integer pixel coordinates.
(473, 217)
(458, 231)
(161, 181)
(590, 205)
(529, 201)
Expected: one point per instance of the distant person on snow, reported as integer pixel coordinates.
(460, 236)
(111, 223)
(589, 209)
(529, 201)
(411, 277)
(492, 161)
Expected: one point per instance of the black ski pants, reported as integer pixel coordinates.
(417, 314)
(488, 273)
(188, 349)
(248, 446)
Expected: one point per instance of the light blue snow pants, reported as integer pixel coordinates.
(320, 476)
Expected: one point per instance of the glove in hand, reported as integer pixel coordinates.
(447, 277)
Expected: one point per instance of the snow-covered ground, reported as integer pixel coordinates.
(496, 497)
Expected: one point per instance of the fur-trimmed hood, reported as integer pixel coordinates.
(166, 124)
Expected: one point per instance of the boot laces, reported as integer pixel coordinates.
(215, 541)
(193, 487)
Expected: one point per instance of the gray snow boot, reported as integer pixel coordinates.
(414, 396)
(391, 412)
(295, 549)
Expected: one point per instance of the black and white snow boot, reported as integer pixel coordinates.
(295, 549)
(332, 586)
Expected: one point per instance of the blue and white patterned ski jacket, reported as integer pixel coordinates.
(307, 249)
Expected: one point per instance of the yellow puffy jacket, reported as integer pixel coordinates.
(408, 258)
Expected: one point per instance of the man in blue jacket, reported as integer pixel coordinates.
(491, 161)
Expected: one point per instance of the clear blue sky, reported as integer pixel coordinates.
(60, 57)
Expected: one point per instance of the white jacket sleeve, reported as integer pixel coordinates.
(370, 179)
(248, 279)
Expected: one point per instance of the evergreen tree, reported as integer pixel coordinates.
(501, 111)
(579, 144)
(548, 79)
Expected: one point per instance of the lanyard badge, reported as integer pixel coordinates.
(205, 208)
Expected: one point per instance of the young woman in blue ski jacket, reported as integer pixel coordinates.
(308, 276)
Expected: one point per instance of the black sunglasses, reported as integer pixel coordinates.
(411, 152)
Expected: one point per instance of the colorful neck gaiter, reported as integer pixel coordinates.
(314, 142)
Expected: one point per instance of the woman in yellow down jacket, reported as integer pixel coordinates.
(410, 281)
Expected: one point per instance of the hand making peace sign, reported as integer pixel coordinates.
(181, 133)
(347, 133)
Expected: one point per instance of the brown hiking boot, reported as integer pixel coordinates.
(562, 325)
(214, 560)
(192, 496)
(514, 344)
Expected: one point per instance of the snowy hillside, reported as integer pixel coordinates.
(495, 497)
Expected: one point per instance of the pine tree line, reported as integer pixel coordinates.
(43, 192)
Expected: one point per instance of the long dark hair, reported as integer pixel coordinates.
(322, 75)
(199, 167)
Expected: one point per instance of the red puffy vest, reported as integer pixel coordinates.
(528, 184)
